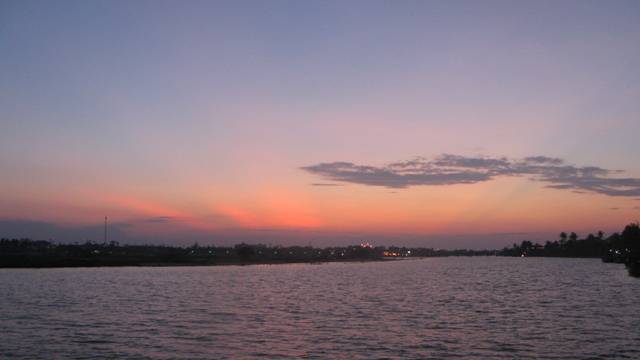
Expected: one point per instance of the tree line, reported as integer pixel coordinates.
(621, 247)
(617, 247)
(30, 253)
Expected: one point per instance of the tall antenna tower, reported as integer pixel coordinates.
(105, 229)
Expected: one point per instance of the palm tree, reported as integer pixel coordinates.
(563, 238)
(573, 237)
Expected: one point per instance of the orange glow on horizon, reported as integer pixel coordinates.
(274, 208)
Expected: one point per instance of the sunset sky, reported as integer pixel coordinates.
(431, 123)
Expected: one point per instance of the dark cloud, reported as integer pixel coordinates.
(543, 160)
(448, 169)
(326, 184)
(158, 219)
(41, 230)
(117, 231)
(614, 208)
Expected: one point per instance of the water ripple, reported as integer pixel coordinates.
(499, 308)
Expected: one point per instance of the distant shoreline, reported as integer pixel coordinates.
(84, 264)
(24, 253)
(71, 266)
(346, 261)
(621, 247)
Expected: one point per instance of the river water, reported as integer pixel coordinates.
(458, 307)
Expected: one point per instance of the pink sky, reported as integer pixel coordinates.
(200, 121)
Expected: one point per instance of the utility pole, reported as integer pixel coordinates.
(105, 229)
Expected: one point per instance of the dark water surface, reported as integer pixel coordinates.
(430, 308)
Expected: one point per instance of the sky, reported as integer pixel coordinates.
(424, 123)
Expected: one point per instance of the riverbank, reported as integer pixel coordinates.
(42, 254)
(187, 264)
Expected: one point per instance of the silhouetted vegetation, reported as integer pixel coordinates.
(617, 248)
(29, 253)
(591, 246)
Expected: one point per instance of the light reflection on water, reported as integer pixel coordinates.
(430, 308)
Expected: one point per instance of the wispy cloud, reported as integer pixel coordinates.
(326, 184)
(42, 230)
(448, 169)
(159, 219)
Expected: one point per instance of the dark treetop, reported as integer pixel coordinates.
(619, 247)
